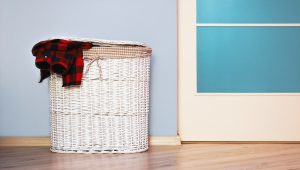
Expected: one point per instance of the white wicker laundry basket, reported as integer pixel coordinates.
(108, 112)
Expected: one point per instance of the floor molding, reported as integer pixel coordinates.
(165, 140)
(45, 141)
(240, 142)
(25, 141)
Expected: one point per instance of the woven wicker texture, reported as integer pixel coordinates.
(108, 112)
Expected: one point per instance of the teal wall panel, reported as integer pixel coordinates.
(248, 59)
(248, 11)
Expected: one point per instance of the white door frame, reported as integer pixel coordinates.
(228, 116)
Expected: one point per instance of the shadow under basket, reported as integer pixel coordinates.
(108, 112)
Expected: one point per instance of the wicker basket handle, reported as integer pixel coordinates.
(92, 60)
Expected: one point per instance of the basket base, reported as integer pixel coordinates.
(93, 151)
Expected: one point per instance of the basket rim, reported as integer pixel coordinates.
(96, 41)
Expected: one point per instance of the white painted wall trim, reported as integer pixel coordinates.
(165, 140)
(45, 141)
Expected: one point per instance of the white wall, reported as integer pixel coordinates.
(24, 107)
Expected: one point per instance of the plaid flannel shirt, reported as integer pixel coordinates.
(60, 56)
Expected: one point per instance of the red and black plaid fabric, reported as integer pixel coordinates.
(62, 57)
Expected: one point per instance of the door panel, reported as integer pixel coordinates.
(248, 59)
(248, 11)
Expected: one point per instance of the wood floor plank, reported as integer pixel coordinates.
(184, 157)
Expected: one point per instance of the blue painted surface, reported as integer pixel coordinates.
(248, 11)
(24, 103)
(248, 59)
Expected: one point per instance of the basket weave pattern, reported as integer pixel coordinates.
(108, 112)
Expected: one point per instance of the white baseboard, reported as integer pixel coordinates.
(25, 141)
(164, 140)
(45, 141)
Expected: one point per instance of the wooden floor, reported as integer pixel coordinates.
(187, 156)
